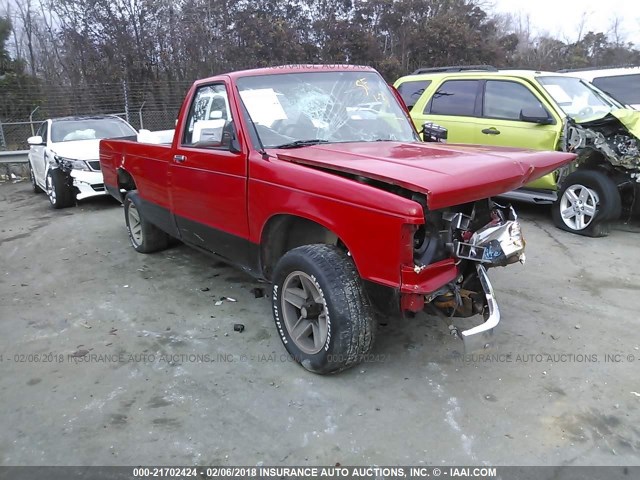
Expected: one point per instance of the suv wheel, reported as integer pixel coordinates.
(587, 202)
(321, 311)
(144, 236)
(58, 190)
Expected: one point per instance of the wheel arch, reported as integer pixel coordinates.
(125, 182)
(284, 232)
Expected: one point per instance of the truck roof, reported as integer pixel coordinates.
(283, 69)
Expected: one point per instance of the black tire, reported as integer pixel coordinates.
(608, 206)
(59, 191)
(349, 320)
(32, 177)
(144, 236)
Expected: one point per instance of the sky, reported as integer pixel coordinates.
(561, 18)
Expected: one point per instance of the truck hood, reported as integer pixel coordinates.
(77, 149)
(448, 174)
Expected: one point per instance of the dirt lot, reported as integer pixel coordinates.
(166, 380)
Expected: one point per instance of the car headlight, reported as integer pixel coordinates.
(71, 164)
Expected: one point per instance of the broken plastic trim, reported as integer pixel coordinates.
(481, 336)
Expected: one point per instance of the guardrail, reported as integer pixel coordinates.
(18, 156)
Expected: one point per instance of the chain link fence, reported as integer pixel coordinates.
(149, 105)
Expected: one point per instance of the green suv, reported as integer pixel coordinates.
(541, 111)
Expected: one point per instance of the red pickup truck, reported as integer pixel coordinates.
(314, 179)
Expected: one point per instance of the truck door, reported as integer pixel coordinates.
(38, 152)
(208, 177)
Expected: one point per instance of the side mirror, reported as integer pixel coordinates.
(535, 115)
(35, 140)
(433, 133)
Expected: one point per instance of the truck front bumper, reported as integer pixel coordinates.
(88, 184)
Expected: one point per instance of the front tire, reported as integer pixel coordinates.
(58, 189)
(320, 308)
(144, 236)
(587, 202)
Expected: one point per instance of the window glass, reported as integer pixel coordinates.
(90, 129)
(624, 88)
(209, 124)
(455, 97)
(43, 130)
(503, 99)
(577, 98)
(412, 91)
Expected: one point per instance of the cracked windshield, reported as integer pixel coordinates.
(294, 110)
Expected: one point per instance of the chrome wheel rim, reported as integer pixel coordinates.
(305, 312)
(578, 206)
(135, 226)
(50, 190)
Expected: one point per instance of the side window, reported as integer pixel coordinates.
(454, 97)
(43, 131)
(209, 124)
(624, 88)
(412, 91)
(505, 100)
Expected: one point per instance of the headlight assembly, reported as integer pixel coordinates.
(68, 164)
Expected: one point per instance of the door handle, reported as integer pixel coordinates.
(491, 131)
(179, 158)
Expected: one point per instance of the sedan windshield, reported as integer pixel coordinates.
(578, 99)
(298, 109)
(89, 129)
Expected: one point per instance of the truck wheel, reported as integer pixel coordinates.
(34, 184)
(321, 311)
(60, 193)
(587, 202)
(144, 236)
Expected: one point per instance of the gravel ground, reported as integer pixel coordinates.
(111, 357)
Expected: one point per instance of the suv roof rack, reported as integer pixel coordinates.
(455, 68)
(586, 69)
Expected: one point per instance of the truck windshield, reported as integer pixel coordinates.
(578, 99)
(89, 129)
(299, 109)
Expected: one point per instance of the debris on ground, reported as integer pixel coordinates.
(229, 299)
(238, 327)
(218, 303)
(113, 331)
(205, 289)
(636, 394)
(577, 327)
(258, 292)
(79, 353)
(85, 325)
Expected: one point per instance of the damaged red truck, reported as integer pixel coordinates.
(314, 179)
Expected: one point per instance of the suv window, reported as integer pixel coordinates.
(505, 100)
(209, 124)
(43, 130)
(454, 97)
(412, 91)
(624, 88)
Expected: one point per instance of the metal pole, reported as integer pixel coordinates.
(140, 115)
(2, 142)
(126, 99)
(33, 132)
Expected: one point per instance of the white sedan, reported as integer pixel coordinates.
(64, 156)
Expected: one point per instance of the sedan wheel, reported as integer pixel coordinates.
(51, 192)
(578, 206)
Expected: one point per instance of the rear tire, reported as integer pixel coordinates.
(34, 184)
(320, 308)
(59, 191)
(587, 202)
(144, 236)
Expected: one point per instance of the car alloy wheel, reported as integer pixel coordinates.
(304, 311)
(135, 225)
(51, 192)
(578, 206)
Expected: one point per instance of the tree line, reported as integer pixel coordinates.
(162, 45)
